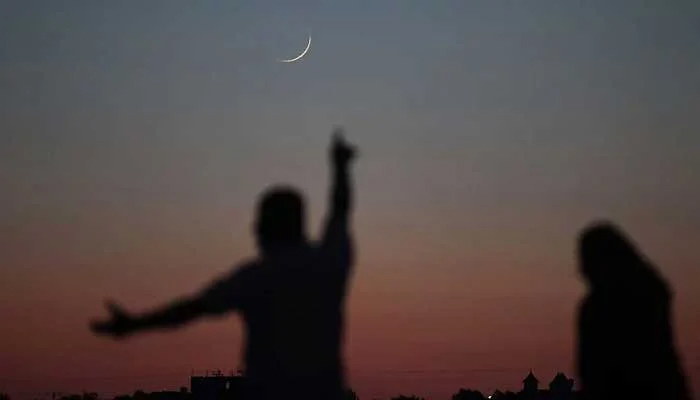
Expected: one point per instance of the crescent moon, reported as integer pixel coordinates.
(303, 53)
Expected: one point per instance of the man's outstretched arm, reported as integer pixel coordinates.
(340, 205)
(217, 299)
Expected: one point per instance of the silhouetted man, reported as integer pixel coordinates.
(626, 346)
(291, 297)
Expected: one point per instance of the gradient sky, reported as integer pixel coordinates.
(135, 137)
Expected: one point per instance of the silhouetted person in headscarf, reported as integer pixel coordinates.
(291, 297)
(626, 346)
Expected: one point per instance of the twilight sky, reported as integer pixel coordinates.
(135, 137)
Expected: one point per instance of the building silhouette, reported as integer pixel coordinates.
(530, 386)
(560, 388)
(217, 386)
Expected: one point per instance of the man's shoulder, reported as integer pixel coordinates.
(246, 269)
(243, 271)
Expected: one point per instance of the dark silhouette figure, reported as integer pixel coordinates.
(291, 297)
(626, 348)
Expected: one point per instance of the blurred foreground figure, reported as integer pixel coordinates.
(626, 346)
(291, 297)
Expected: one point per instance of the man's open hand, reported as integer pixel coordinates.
(341, 151)
(119, 324)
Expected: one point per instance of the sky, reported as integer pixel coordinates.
(135, 138)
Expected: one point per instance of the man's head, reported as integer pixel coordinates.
(280, 218)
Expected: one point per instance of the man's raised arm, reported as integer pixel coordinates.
(342, 155)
